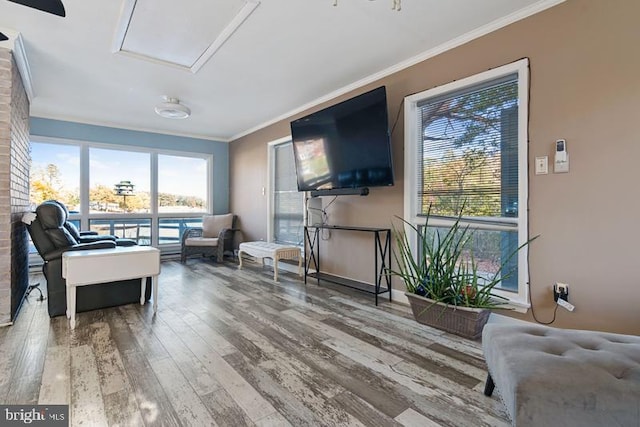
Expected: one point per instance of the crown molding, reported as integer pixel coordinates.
(20, 56)
(458, 41)
(71, 119)
(16, 46)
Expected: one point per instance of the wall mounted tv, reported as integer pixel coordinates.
(345, 148)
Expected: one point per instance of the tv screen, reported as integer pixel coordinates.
(344, 146)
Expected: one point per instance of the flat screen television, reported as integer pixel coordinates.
(345, 146)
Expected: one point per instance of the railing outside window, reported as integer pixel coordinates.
(138, 230)
(170, 229)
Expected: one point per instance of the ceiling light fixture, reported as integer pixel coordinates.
(395, 4)
(172, 109)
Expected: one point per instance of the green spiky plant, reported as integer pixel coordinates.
(441, 273)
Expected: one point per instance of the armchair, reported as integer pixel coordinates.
(214, 238)
(51, 238)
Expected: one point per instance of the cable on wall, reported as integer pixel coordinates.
(555, 310)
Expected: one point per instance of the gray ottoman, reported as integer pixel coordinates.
(563, 377)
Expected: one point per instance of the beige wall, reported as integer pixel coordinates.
(585, 88)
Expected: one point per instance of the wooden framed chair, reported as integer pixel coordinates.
(214, 238)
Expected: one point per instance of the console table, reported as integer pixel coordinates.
(382, 258)
(84, 268)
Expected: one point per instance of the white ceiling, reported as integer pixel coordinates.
(287, 55)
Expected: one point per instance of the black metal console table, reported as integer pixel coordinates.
(382, 259)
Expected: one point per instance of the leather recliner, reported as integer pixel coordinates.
(52, 239)
(88, 236)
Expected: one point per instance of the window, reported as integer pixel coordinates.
(466, 152)
(175, 193)
(286, 213)
(144, 194)
(55, 174)
(119, 181)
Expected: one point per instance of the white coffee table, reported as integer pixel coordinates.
(274, 251)
(85, 268)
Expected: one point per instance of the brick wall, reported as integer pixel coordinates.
(14, 187)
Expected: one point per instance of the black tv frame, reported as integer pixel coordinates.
(364, 190)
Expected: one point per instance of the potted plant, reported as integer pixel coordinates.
(443, 282)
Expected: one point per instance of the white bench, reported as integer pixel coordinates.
(274, 251)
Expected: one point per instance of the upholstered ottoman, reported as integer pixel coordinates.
(563, 377)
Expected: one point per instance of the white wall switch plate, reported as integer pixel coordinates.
(542, 165)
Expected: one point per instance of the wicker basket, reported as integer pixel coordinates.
(464, 321)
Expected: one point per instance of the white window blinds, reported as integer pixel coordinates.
(287, 201)
(469, 152)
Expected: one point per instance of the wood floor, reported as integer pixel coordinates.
(234, 348)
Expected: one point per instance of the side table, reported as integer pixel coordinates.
(85, 268)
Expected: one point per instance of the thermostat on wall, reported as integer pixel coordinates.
(561, 164)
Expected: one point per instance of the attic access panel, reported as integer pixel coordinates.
(182, 34)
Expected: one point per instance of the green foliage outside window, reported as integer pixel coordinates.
(464, 142)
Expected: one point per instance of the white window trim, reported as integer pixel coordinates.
(84, 216)
(271, 176)
(271, 171)
(521, 67)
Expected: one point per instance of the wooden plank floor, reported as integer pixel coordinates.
(231, 347)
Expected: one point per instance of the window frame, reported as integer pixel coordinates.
(519, 299)
(270, 191)
(84, 216)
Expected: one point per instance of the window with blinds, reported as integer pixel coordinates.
(469, 151)
(288, 203)
(466, 154)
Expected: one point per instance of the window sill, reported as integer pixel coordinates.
(517, 306)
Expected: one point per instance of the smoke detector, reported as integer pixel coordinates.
(172, 109)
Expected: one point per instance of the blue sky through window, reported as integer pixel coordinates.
(177, 175)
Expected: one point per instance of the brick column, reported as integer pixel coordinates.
(15, 163)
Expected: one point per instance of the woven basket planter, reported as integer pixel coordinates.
(464, 321)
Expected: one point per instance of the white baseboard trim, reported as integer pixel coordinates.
(2, 325)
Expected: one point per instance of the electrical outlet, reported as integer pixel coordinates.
(561, 291)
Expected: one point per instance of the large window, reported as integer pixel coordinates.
(55, 174)
(466, 154)
(119, 181)
(286, 213)
(147, 195)
(182, 184)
